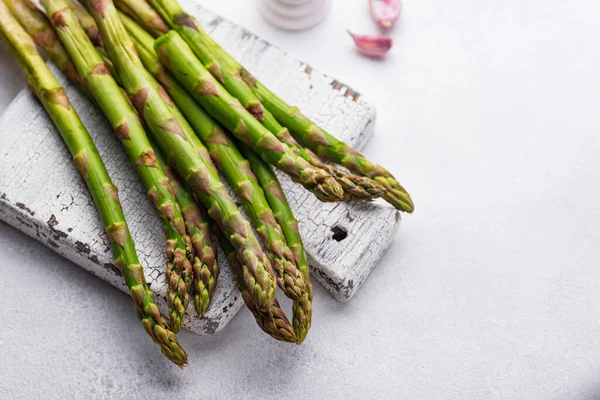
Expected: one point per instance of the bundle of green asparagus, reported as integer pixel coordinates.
(267, 107)
(90, 165)
(185, 110)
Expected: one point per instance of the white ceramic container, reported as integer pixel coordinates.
(294, 15)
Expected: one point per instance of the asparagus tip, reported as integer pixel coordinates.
(401, 201)
(328, 189)
(292, 282)
(176, 355)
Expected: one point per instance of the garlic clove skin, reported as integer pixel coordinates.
(385, 12)
(372, 46)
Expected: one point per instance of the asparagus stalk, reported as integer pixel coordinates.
(128, 128)
(87, 22)
(355, 187)
(170, 130)
(91, 28)
(302, 128)
(302, 308)
(329, 147)
(275, 322)
(242, 85)
(176, 55)
(36, 25)
(227, 157)
(143, 14)
(91, 167)
(194, 35)
(206, 268)
(225, 154)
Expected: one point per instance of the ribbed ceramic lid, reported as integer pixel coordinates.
(294, 14)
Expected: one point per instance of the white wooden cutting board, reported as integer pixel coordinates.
(42, 194)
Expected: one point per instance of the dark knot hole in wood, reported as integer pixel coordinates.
(339, 233)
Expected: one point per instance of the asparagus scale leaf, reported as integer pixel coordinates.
(93, 171)
(87, 22)
(39, 28)
(143, 14)
(91, 29)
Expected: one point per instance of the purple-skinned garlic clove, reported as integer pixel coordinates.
(372, 46)
(385, 12)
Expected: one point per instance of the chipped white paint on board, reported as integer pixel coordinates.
(42, 195)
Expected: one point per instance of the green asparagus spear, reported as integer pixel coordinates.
(227, 157)
(170, 130)
(235, 85)
(329, 147)
(355, 187)
(302, 308)
(143, 14)
(194, 35)
(91, 167)
(87, 22)
(224, 153)
(274, 323)
(240, 83)
(36, 25)
(128, 128)
(206, 268)
(91, 29)
(176, 55)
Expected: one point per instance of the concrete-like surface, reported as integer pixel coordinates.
(488, 113)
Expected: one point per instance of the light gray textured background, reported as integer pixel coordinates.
(488, 112)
